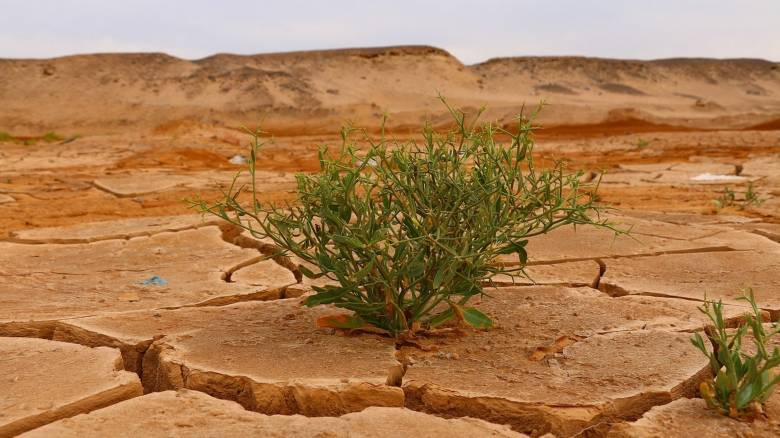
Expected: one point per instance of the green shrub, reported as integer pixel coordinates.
(411, 231)
(742, 382)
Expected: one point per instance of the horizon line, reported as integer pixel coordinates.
(386, 48)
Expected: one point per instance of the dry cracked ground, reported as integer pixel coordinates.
(123, 313)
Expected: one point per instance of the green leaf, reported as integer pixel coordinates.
(350, 242)
(325, 295)
(439, 277)
(722, 385)
(477, 319)
(325, 261)
(745, 396)
(416, 269)
(410, 228)
(363, 272)
(698, 342)
(441, 318)
(513, 247)
(522, 255)
(516, 248)
(307, 272)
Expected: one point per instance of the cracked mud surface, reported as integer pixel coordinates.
(43, 381)
(561, 360)
(687, 417)
(594, 340)
(718, 275)
(111, 288)
(184, 413)
(52, 281)
(268, 356)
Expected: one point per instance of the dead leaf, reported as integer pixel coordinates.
(556, 347)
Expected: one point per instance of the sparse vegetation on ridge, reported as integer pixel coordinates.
(49, 137)
(728, 198)
(411, 231)
(642, 143)
(743, 381)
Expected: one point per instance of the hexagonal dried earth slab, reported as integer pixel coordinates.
(107, 230)
(687, 218)
(560, 360)
(43, 381)
(629, 178)
(50, 281)
(743, 241)
(718, 275)
(640, 227)
(80, 153)
(581, 273)
(269, 356)
(770, 231)
(587, 243)
(151, 181)
(685, 418)
(191, 413)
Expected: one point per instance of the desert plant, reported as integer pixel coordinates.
(411, 231)
(642, 143)
(729, 198)
(751, 197)
(742, 382)
(726, 199)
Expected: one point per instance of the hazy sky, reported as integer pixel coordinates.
(472, 30)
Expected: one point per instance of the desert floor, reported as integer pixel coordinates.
(122, 312)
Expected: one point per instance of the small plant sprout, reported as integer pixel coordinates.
(743, 381)
(642, 143)
(410, 231)
(751, 197)
(726, 199)
(729, 198)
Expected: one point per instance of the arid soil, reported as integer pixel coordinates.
(124, 313)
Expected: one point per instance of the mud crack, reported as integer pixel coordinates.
(234, 235)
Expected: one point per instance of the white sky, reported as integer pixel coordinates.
(471, 30)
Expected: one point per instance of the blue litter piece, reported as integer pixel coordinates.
(154, 281)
